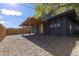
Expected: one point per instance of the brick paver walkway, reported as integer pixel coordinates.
(17, 45)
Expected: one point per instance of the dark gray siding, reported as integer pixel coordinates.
(61, 24)
(47, 30)
(58, 27)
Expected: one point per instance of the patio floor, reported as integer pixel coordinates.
(39, 45)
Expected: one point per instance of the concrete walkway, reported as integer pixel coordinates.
(16, 45)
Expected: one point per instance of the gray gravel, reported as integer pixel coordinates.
(39, 45)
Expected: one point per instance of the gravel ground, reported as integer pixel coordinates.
(39, 45)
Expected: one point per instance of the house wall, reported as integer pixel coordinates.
(41, 29)
(35, 29)
(57, 27)
(75, 28)
(47, 30)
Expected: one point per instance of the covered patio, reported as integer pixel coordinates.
(34, 25)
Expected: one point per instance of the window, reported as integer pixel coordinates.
(55, 25)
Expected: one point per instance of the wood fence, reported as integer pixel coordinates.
(14, 31)
(2, 32)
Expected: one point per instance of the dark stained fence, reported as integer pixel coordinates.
(2, 32)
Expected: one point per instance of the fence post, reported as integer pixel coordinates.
(2, 32)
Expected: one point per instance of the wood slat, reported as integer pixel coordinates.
(2, 32)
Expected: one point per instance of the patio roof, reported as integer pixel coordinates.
(31, 21)
(68, 13)
(71, 14)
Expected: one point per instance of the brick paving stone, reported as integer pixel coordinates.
(40, 45)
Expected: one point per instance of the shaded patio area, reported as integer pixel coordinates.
(58, 46)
